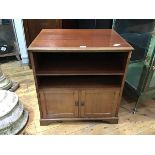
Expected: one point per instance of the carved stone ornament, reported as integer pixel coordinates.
(13, 117)
(6, 83)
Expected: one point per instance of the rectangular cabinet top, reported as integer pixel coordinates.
(79, 39)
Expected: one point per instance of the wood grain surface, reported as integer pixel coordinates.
(79, 39)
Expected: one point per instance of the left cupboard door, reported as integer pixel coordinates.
(59, 103)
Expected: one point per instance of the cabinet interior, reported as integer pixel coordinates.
(80, 63)
(85, 81)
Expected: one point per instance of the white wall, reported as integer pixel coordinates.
(19, 29)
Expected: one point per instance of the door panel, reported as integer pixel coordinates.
(98, 103)
(59, 103)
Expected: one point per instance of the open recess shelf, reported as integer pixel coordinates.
(80, 63)
(108, 81)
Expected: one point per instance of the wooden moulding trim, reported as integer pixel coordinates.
(112, 120)
(79, 119)
(80, 49)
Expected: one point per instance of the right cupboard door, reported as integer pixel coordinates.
(98, 103)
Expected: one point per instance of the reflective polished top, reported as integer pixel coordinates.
(79, 39)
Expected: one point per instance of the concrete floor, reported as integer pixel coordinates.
(140, 123)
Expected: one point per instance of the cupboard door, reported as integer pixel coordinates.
(98, 103)
(58, 103)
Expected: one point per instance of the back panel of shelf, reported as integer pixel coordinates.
(80, 63)
(84, 81)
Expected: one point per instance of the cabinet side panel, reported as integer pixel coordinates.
(34, 64)
(123, 81)
(42, 103)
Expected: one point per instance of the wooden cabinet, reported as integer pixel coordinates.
(79, 74)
